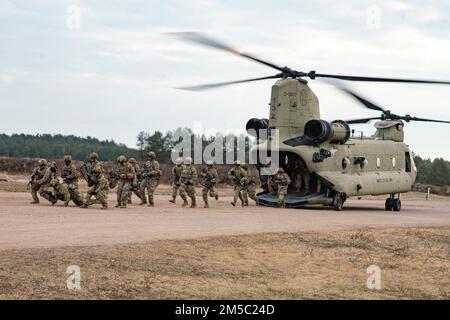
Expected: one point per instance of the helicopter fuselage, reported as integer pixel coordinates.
(338, 164)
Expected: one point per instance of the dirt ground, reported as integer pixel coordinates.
(414, 264)
(23, 225)
(225, 252)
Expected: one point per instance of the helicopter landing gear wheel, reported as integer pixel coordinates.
(396, 205)
(388, 205)
(338, 202)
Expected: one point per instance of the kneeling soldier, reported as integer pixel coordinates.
(99, 189)
(70, 176)
(60, 191)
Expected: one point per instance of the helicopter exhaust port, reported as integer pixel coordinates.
(320, 131)
(257, 128)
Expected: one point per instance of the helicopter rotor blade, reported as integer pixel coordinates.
(368, 104)
(209, 42)
(377, 79)
(409, 118)
(223, 84)
(362, 120)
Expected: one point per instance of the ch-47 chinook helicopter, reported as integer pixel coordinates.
(336, 164)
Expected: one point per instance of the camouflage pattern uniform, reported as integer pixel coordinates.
(188, 179)
(249, 186)
(92, 165)
(38, 173)
(176, 173)
(42, 183)
(60, 191)
(209, 178)
(136, 185)
(238, 176)
(151, 175)
(126, 175)
(99, 189)
(70, 176)
(281, 182)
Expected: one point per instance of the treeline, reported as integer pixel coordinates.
(55, 146)
(433, 172)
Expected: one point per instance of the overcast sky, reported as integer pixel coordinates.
(111, 75)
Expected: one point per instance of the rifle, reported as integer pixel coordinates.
(207, 178)
(65, 173)
(146, 173)
(33, 177)
(86, 173)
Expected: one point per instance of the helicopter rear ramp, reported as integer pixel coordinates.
(292, 200)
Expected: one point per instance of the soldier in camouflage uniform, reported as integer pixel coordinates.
(69, 174)
(41, 177)
(280, 183)
(60, 191)
(249, 185)
(99, 189)
(176, 172)
(92, 165)
(209, 177)
(136, 185)
(238, 177)
(151, 175)
(125, 173)
(188, 179)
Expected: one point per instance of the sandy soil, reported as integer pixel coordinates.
(39, 226)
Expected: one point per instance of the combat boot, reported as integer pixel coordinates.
(129, 201)
(216, 196)
(118, 205)
(206, 205)
(185, 203)
(52, 199)
(193, 203)
(151, 204)
(34, 202)
(233, 204)
(173, 200)
(123, 206)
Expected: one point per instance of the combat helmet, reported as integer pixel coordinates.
(188, 160)
(42, 162)
(237, 163)
(209, 163)
(121, 159)
(151, 154)
(132, 160)
(67, 158)
(178, 161)
(93, 156)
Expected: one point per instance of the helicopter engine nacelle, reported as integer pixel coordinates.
(257, 128)
(320, 131)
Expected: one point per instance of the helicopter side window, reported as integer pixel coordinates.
(407, 162)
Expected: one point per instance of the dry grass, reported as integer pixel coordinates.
(415, 264)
